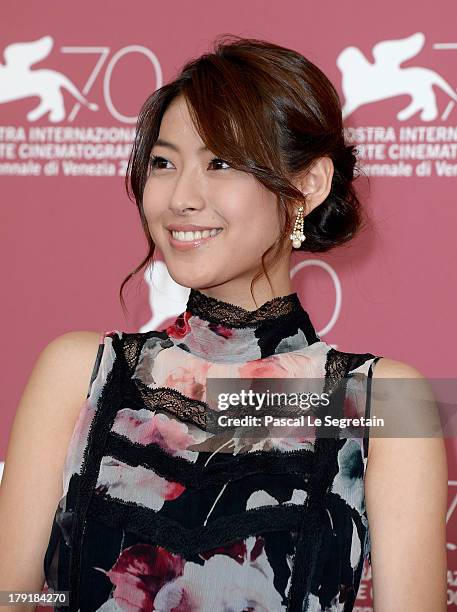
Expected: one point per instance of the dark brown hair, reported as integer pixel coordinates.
(266, 110)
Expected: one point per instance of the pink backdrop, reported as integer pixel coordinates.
(67, 241)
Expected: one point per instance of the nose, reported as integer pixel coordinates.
(186, 195)
(182, 208)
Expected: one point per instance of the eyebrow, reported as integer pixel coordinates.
(170, 145)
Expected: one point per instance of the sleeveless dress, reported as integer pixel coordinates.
(150, 519)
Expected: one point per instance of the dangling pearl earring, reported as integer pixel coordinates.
(297, 236)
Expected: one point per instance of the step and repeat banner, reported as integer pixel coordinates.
(73, 77)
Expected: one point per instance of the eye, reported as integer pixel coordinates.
(216, 160)
(155, 161)
(158, 162)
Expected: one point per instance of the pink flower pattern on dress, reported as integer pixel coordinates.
(139, 573)
(187, 381)
(135, 483)
(238, 577)
(180, 327)
(146, 427)
(221, 330)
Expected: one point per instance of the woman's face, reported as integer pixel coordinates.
(189, 186)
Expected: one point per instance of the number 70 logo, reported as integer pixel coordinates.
(103, 53)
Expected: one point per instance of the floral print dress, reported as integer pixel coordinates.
(152, 517)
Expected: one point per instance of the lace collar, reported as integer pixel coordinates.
(219, 331)
(218, 311)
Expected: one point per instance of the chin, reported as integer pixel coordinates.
(189, 280)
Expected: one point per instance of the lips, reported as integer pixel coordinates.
(185, 245)
(191, 235)
(189, 227)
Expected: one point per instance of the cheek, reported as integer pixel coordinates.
(148, 216)
(151, 206)
(264, 221)
(251, 236)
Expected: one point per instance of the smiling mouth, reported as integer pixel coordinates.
(192, 236)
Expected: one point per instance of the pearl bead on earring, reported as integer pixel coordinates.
(297, 236)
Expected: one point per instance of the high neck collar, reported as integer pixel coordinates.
(220, 331)
(218, 311)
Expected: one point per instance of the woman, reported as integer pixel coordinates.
(236, 162)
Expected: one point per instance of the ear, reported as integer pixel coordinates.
(316, 182)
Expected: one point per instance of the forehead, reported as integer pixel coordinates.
(177, 123)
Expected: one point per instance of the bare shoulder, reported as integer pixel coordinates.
(74, 343)
(390, 368)
(78, 346)
(66, 363)
(38, 441)
(58, 383)
(409, 405)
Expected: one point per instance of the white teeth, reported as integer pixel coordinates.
(189, 236)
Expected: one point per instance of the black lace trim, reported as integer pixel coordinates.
(172, 401)
(224, 313)
(188, 410)
(222, 531)
(177, 469)
(336, 367)
(132, 346)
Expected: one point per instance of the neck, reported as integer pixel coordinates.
(239, 293)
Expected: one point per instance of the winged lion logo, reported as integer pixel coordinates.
(18, 80)
(365, 82)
